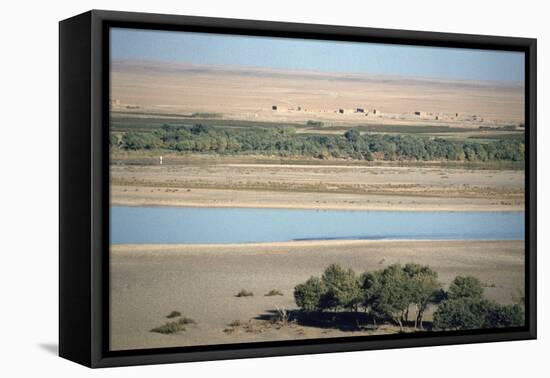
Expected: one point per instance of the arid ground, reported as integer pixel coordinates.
(201, 281)
(245, 182)
(249, 94)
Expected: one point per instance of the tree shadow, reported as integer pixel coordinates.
(343, 321)
(348, 321)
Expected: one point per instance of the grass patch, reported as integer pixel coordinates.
(174, 326)
(314, 123)
(186, 320)
(273, 292)
(244, 293)
(206, 115)
(170, 327)
(235, 323)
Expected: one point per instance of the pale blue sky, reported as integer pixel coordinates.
(330, 56)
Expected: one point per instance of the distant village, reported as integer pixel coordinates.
(116, 104)
(376, 112)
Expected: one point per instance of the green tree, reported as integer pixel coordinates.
(474, 313)
(137, 141)
(342, 288)
(308, 295)
(465, 287)
(113, 140)
(462, 313)
(502, 316)
(352, 135)
(386, 293)
(424, 288)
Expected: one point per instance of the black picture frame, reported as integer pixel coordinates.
(84, 187)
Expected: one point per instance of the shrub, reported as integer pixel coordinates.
(500, 316)
(308, 295)
(342, 288)
(235, 323)
(284, 141)
(186, 320)
(273, 292)
(473, 313)
(113, 140)
(244, 293)
(170, 327)
(462, 313)
(352, 135)
(465, 287)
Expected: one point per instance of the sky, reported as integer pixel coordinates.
(315, 55)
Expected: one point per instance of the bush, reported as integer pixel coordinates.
(284, 141)
(139, 141)
(308, 295)
(506, 316)
(342, 289)
(352, 135)
(113, 140)
(171, 327)
(314, 123)
(273, 292)
(474, 313)
(235, 323)
(465, 287)
(461, 313)
(244, 293)
(186, 320)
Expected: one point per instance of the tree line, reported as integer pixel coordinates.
(389, 294)
(286, 142)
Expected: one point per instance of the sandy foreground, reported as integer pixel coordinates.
(150, 281)
(347, 187)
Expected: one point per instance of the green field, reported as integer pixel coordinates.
(144, 122)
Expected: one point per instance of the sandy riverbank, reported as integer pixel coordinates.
(204, 183)
(150, 281)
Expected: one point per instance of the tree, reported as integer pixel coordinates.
(342, 288)
(424, 289)
(308, 295)
(284, 141)
(352, 135)
(113, 140)
(137, 141)
(386, 293)
(465, 287)
(501, 316)
(371, 289)
(475, 313)
(462, 313)
(199, 128)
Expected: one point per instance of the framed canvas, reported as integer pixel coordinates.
(235, 188)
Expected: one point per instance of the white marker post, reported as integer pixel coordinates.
(160, 160)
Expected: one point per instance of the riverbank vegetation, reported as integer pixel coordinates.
(401, 295)
(286, 142)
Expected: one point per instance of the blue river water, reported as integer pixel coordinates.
(177, 225)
